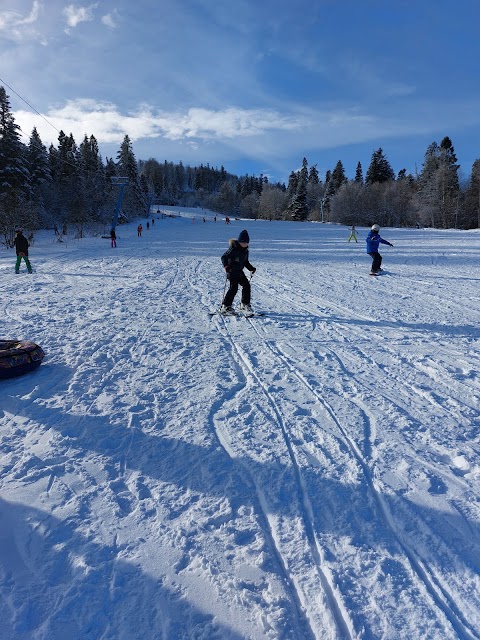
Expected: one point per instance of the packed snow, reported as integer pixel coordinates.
(310, 474)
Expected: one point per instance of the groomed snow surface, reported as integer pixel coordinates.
(313, 473)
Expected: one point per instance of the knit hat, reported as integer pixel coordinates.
(243, 237)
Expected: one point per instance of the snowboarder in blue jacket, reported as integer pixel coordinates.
(373, 240)
(234, 260)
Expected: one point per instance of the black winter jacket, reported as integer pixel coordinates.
(21, 245)
(236, 257)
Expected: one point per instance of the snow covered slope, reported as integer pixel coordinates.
(314, 473)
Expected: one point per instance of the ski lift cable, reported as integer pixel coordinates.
(27, 103)
(31, 107)
(47, 121)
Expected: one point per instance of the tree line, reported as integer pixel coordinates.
(70, 184)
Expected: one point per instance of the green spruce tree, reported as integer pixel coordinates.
(134, 200)
(359, 173)
(379, 169)
(15, 189)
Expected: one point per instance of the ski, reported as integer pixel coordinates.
(237, 314)
(225, 315)
(252, 314)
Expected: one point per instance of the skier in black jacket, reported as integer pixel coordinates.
(234, 260)
(21, 247)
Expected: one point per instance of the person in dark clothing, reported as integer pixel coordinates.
(113, 236)
(234, 260)
(21, 247)
(373, 241)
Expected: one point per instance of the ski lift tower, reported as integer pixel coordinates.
(121, 182)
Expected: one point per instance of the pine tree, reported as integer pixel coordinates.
(37, 158)
(438, 196)
(329, 194)
(379, 169)
(40, 177)
(292, 185)
(93, 181)
(68, 202)
(313, 177)
(471, 217)
(359, 173)
(14, 174)
(338, 177)
(297, 208)
(449, 184)
(303, 175)
(134, 200)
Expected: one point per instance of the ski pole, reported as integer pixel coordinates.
(224, 289)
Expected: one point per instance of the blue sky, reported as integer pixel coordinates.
(255, 86)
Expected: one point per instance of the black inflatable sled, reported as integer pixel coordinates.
(18, 357)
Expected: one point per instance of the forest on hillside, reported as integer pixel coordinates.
(70, 184)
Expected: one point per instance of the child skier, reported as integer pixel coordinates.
(353, 234)
(234, 260)
(373, 240)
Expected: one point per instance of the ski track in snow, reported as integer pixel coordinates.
(309, 474)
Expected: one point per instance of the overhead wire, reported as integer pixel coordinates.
(27, 103)
(42, 147)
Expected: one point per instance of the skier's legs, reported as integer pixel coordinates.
(231, 293)
(27, 262)
(376, 260)
(17, 264)
(246, 289)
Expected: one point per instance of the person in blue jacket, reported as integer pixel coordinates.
(373, 240)
(234, 260)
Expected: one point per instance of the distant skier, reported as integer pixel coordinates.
(373, 241)
(148, 226)
(113, 237)
(21, 247)
(139, 230)
(353, 234)
(234, 260)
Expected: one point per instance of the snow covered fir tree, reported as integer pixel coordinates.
(71, 184)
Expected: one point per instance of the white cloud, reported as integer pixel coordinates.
(17, 27)
(263, 134)
(110, 20)
(108, 125)
(75, 15)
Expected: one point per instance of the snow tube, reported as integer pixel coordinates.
(18, 357)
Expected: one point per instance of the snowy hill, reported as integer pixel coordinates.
(313, 473)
